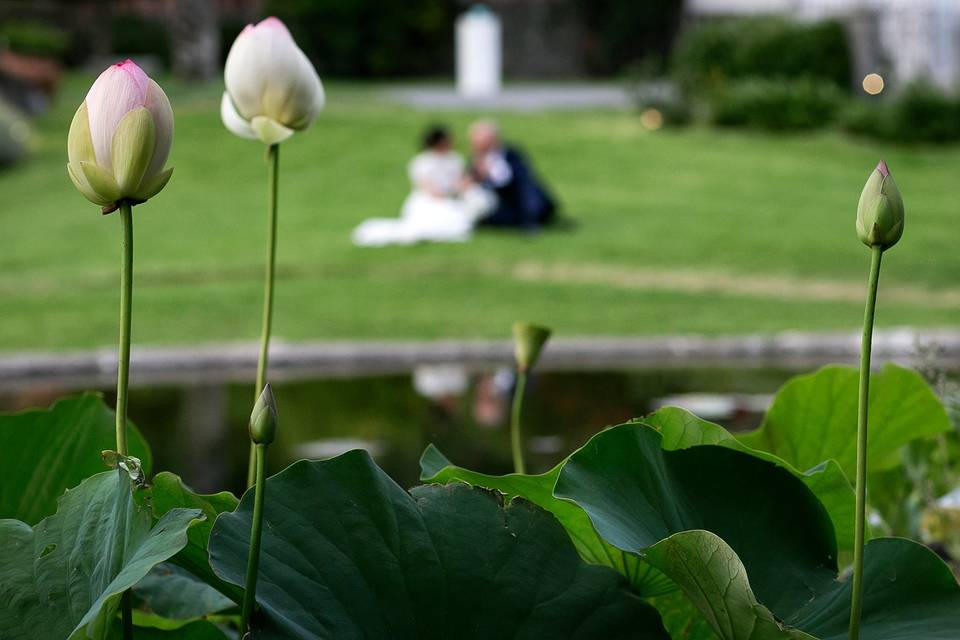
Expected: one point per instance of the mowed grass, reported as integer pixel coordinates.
(656, 213)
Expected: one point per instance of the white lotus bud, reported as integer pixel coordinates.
(272, 88)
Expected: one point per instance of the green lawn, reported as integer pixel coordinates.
(678, 231)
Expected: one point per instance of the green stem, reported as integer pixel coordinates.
(126, 298)
(856, 604)
(273, 155)
(123, 367)
(516, 443)
(253, 559)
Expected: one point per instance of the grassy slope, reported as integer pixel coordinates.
(688, 201)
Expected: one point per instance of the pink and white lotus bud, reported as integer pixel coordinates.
(272, 89)
(120, 138)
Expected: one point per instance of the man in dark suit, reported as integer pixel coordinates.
(521, 200)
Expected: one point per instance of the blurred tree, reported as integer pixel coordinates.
(372, 37)
(620, 34)
(195, 39)
(88, 22)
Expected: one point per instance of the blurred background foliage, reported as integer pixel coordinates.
(344, 38)
(768, 72)
(35, 38)
(365, 38)
(621, 34)
(722, 51)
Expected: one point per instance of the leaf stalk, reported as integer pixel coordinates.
(253, 558)
(516, 441)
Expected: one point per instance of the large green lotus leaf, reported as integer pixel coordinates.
(814, 418)
(747, 543)
(682, 620)
(538, 489)
(682, 430)
(64, 577)
(168, 492)
(44, 452)
(636, 494)
(348, 554)
(196, 630)
(171, 594)
(713, 578)
(909, 593)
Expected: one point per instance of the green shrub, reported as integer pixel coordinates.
(34, 38)
(717, 52)
(776, 104)
(372, 37)
(619, 33)
(132, 34)
(921, 113)
(862, 118)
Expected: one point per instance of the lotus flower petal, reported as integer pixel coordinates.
(233, 120)
(158, 105)
(269, 130)
(118, 90)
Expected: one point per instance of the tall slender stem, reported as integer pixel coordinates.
(126, 299)
(123, 367)
(253, 558)
(856, 605)
(516, 443)
(273, 155)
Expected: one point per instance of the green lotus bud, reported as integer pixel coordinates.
(263, 419)
(528, 341)
(880, 211)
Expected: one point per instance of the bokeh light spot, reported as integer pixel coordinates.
(651, 119)
(873, 83)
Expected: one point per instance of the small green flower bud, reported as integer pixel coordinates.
(880, 211)
(528, 341)
(263, 420)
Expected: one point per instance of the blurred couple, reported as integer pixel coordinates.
(449, 197)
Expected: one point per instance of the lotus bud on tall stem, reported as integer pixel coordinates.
(273, 156)
(263, 431)
(117, 146)
(879, 226)
(528, 340)
(272, 91)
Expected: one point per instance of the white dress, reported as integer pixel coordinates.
(436, 209)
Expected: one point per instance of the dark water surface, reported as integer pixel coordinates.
(199, 432)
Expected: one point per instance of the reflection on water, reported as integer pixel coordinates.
(199, 432)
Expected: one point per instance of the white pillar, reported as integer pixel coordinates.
(479, 64)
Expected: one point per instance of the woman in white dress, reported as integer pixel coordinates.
(444, 203)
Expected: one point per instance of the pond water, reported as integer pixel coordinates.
(199, 432)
